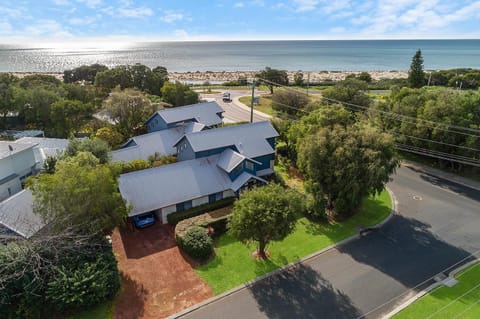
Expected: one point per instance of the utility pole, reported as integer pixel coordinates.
(251, 102)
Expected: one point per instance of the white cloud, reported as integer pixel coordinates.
(5, 27)
(239, 5)
(306, 5)
(49, 28)
(61, 2)
(170, 17)
(139, 12)
(10, 12)
(84, 21)
(91, 3)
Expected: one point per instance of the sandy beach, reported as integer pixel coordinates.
(314, 76)
(216, 77)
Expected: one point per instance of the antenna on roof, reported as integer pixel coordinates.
(10, 148)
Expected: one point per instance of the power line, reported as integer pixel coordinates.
(404, 117)
(404, 147)
(453, 301)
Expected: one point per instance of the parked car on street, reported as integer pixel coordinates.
(226, 97)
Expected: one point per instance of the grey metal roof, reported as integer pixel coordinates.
(242, 179)
(160, 141)
(229, 159)
(249, 139)
(205, 113)
(168, 185)
(16, 213)
(163, 186)
(6, 151)
(45, 142)
(49, 146)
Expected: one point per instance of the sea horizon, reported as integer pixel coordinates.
(251, 55)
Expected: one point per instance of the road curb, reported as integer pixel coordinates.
(440, 174)
(422, 293)
(288, 266)
(236, 101)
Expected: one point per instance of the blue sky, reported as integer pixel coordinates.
(83, 20)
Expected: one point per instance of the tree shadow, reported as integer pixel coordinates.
(406, 250)
(301, 292)
(129, 304)
(139, 243)
(452, 186)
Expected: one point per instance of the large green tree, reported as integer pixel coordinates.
(416, 75)
(97, 147)
(343, 164)
(178, 94)
(272, 75)
(265, 214)
(352, 91)
(68, 116)
(7, 102)
(81, 193)
(129, 109)
(289, 102)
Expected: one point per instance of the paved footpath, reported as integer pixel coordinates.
(435, 228)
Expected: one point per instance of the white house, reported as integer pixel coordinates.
(17, 162)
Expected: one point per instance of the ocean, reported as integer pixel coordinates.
(332, 55)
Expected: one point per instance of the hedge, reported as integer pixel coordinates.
(196, 243)
(174, 218)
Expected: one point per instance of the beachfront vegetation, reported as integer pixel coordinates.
(178, 94)
(272, 76)
(84, 73)
(136, 76)
(416, 75)
(266, 214)
(352, 91)
(289, 102)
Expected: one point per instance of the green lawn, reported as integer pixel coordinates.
(265, 104)
(233, 264)
(103, 311)
(442, 303)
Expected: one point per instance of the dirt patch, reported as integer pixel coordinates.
(157, 280)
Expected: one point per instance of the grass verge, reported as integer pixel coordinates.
(265, 104)
(233, 264)
(442, 302)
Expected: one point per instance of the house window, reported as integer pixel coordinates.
(238, 169)
(184, 206)
(249, 165)
(215, 197)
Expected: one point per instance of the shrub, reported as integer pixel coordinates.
(174, 218)
(316, 210)
(85, 286)
(196, 243)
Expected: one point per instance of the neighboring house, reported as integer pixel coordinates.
(161, 142)
(213, 164)
(17, 218)
(45, 147)
(176, 187)
(17, 162)
(208, 114)
(255, 141)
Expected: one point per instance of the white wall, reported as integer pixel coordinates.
(228, 193)
(23, 162)
(167, 211)
(15, 186)
(200, 201)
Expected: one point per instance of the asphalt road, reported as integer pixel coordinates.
(435, 227)
(234, 113)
